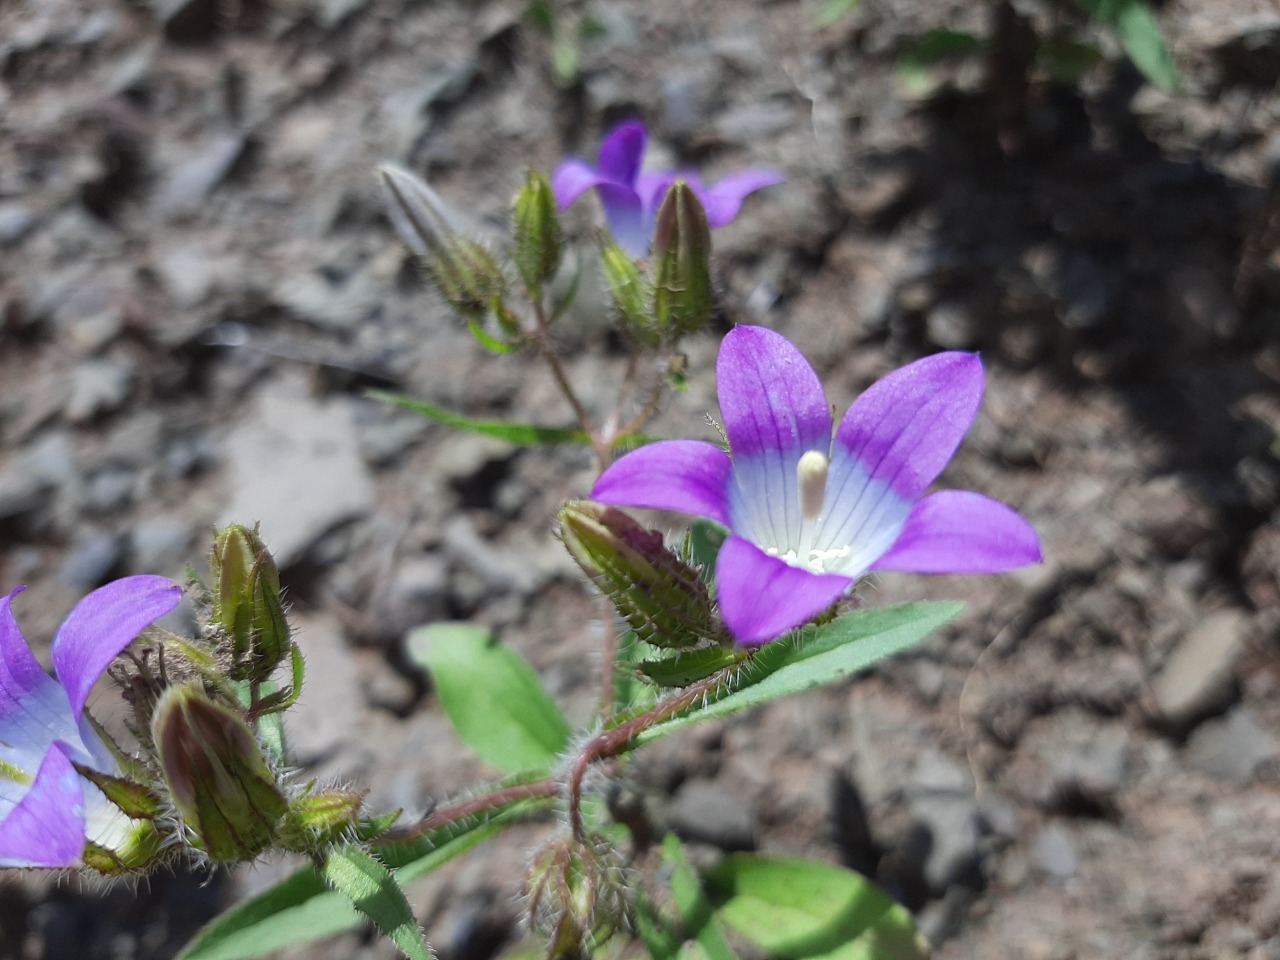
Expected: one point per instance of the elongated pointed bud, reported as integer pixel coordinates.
(632, 294)
(683, 301)
(662, 598)
(247, 604)
(577, 896)
(538, 240)
(217, 777)
(463, 271)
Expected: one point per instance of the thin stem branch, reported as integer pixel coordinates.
(614, 741)
(542, 340)
(443, 816)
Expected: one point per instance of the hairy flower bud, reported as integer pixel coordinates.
(464, 272)
(632, 294)
(247, 604)
(218, 779)
(322, 817)
(538, 241)
(683, 301)
(577, 896)
(662, 598)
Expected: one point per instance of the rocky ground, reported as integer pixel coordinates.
(198, 285)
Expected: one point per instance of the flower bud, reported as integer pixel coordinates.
(577, 896)
(321, 818)
(218, 779)
(246, 603)
(662, 598)
(632, 294)
(463, 271)
(683, 301)
(538, 241)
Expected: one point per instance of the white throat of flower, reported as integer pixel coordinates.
(811, 480)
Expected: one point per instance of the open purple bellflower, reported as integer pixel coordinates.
(47, 810)
(631, 198)
(808, 515)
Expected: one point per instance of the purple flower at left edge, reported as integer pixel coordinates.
(47, 810)
(809, 513)
(631, 198)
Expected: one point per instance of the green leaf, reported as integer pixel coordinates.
(301, 908)
(696, 911)
(689, 666)
(1139, 34)
(705, 540)
(488, 340)
(814, 656)
(521, 434)
(835, 10)
(372, 890)
(800, 909)
(492, 696)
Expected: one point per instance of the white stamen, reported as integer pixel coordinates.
(811, 471)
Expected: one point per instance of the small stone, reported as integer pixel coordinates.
(1231, 748)
(98, 385)
(191, 181)
(952, 325)
(160, 545)
(91, 560)
(186, 274)
(329, 711)
(339, 306)
(941, 800)
(1055, 854)
(418, 594)
(109, 491)
(44, 464)
(1200, 676)
(707, 812)
(295, 466)
(16, 220)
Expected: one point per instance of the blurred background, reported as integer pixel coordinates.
(197, 285)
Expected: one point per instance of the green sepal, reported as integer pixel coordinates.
(143, 851)
(133, 799)
(690, 666)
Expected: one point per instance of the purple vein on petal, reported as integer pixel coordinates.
(46, 828)
(959, 531)
(103, 624)
(622, 151)
(762, 597)
(686, 476)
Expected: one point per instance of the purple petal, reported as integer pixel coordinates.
(33, 708)
(723, 200)
(571, 180)
(20, 672)
(770, 398)
(103, 624)
(762, 597)
(958, 531)
(622, 151)
(687, 476)
(653, 187)
(905, 428)
(631, 228)
(46, 827)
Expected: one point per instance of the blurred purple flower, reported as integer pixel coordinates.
(808, 516)
(631, 198)
(47, 810)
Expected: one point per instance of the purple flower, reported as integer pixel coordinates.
(809, 515)
(631, 198)
(47, 810)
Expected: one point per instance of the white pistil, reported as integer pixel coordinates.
(811, 471)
